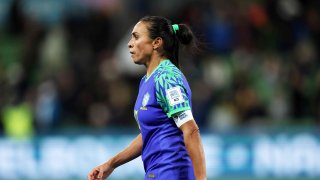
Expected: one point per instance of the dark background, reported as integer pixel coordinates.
(65, 63)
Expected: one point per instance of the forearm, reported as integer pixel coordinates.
(196, 153)
(129, 153)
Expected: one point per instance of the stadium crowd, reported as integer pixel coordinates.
(67, 66)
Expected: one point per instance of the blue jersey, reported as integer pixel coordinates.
(161, 95)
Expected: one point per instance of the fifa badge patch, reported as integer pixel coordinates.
(145, 101)
(174, 96)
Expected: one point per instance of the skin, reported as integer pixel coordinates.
(147, 51)
(144, 50)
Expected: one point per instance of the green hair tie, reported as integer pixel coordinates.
(175, 28)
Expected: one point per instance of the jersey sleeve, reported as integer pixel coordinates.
(171, 94)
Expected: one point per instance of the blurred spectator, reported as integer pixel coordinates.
(303, 73)
(99, 115)
(18, 119)
(47, 107)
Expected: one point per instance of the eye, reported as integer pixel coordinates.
(135, 36)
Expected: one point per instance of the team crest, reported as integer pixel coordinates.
(145, 101)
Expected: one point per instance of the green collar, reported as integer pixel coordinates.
(163, 61)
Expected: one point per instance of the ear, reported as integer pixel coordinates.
(158, 42)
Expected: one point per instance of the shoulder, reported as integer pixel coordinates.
(142, 80)
(168, 72)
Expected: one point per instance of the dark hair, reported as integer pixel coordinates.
(162, 27)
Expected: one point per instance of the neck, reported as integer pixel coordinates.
(153, 64)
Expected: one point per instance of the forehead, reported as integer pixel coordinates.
(141, 28)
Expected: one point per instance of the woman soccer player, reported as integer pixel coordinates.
(169, 141)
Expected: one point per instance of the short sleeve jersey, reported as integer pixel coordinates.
(163, 94)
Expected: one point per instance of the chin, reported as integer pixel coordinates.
(136, 61)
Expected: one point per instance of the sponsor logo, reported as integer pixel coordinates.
(182, 115)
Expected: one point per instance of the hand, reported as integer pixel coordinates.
(100, 172)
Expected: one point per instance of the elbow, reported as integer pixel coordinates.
(190, 130)
(193, 130)
(192, 133)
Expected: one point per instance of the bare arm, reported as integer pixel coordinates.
(129, 153)
(194, 146)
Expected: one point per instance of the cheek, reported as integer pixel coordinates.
(144, 49)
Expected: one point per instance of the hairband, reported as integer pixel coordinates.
(175, 28)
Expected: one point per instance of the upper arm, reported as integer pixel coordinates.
(189, 127)
(171, 94)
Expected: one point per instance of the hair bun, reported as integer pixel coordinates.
(184, 34)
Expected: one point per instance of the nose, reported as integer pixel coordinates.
(130, 44)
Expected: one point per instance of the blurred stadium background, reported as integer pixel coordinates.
(68, 86)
